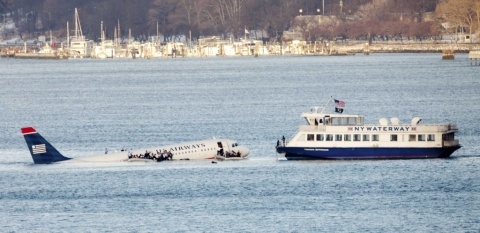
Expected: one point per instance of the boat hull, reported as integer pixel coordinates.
(309, 153)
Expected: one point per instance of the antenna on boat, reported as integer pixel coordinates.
(326, 104)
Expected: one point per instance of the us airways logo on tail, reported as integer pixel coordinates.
(39, 149)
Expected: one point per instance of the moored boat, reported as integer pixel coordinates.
(342, 136)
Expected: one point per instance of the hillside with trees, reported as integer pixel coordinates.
(357, 19)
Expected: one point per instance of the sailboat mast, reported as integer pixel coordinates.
(326, 104)
(68, 36)
(118, 31)
(76, 23)
(102, 35)
(78, 26)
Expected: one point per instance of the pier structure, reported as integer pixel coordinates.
(474, 57)
(448, 54)
(212, 46)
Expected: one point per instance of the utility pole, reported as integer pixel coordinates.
(341, 7)
(323, 7)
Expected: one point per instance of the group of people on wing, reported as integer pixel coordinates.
(228, 154)
(157, 156)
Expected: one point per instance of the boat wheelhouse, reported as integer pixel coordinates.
(342, 136)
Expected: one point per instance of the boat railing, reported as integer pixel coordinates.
(436, 128)
(452, 127)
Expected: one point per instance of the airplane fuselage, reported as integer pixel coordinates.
(206, 149)
(43, 152)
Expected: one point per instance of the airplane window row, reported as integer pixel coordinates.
(207, 149)
(187, 152)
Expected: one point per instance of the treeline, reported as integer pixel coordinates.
(196, 18)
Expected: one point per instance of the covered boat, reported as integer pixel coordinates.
(342, 136)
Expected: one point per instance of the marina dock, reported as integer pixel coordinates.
(54, 55)
(212, 47)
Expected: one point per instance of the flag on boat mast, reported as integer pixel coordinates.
(339, 105)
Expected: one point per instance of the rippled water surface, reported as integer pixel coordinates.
(85, 106)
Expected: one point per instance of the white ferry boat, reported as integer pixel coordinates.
(341, 136)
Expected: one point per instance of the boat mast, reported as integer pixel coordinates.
(102, 34)
(76, 23)
(78, 26)
(326, 104)
(119, 36)
(68, 36)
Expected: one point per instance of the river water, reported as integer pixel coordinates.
(85, 106)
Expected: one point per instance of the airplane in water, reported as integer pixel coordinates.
(224, 149)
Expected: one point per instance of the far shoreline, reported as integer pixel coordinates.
(258, 48)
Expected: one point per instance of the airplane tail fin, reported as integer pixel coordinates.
(41, 150)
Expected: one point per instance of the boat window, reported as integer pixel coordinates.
(344, 121)
(356, 137)
(448, 137)
(393, 137)
(421, 137)
(319, 137)
(375, 137)
(338, 137)
(339, 120)
(412, 137)
(360, 121)
(329, 137)
(352, 121)
(327, 121)
(431, 137)
(336, 121)
(310, 137)
(347, 137)
(366, 137)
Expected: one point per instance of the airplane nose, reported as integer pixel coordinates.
(244, 151)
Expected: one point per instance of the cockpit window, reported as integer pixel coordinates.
(234, 144)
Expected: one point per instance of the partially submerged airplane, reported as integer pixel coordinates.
(44, 153)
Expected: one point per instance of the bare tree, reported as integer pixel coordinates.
(476, 9)
(159, 13)
(6, 5)
(303, 24)
(375, 10)
(229, 17)
(459, 13)
(278, 16)
(226, 15)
